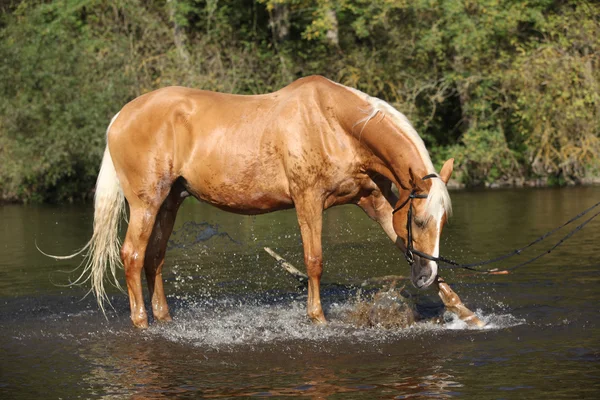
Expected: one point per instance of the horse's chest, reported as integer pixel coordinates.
(346, 191)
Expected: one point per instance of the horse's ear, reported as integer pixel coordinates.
(446, 170)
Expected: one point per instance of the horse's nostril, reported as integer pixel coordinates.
(421, 281)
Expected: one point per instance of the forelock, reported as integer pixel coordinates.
(438, 200)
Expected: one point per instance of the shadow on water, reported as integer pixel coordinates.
(240, 328)
(192, 233)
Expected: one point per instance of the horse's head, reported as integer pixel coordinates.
(418, 219)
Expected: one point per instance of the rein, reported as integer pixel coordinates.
(448, 263)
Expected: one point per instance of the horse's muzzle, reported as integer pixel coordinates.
(423, 273)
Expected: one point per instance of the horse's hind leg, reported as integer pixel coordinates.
(155, 253)
(141, 222)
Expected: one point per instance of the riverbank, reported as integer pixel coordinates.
(519, 183)
(531, 107)
(453, 185)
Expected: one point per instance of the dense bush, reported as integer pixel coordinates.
(510, 88)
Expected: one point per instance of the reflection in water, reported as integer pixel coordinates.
(135, 371)
(147, 371)
(437, 385)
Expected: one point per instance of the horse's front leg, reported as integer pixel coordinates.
(310, 219)
(454, 304)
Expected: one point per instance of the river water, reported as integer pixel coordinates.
(240, 329)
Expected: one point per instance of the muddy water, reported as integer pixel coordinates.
(240, 328)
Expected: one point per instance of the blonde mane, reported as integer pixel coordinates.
(438, 199)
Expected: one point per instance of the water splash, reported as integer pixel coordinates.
(492, 321)
(226, 323)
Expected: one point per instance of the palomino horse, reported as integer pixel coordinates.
(311, 145)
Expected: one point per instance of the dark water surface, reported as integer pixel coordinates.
(240, 328)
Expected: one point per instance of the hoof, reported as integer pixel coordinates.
(160, 311)
(140, 322)
(453, 304)
(318, 319)
(163, 319)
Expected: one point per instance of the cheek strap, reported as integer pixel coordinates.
(409, 255)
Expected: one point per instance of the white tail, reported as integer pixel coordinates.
(104, 246)
(103, 249)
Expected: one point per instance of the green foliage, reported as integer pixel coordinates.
(555, 95)
(509, 88)
(56, 97)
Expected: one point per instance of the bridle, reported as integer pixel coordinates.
(410, 250)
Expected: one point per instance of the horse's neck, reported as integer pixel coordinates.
(393, 149)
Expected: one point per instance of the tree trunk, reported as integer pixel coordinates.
(280, 22)
(179, 37)
(332, 33)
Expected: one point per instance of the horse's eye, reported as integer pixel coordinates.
(420, 222)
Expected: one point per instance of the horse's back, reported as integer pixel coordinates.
(222, 111)
(220, 144)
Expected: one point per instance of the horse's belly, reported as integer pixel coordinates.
(241, 195)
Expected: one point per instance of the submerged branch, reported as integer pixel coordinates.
(287, 266)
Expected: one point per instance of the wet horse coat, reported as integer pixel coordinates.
(311, 145)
